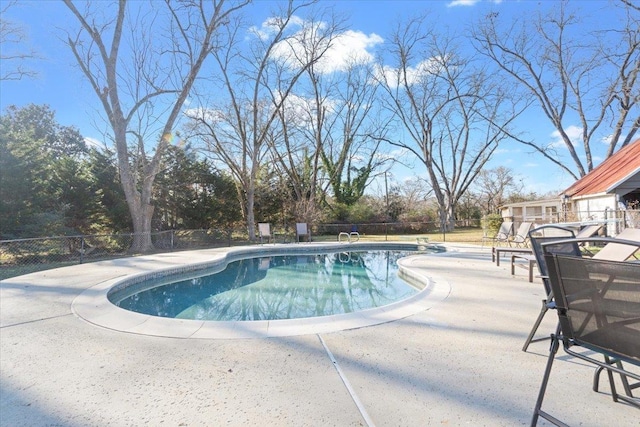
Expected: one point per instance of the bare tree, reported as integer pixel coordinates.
(574, 78)
(327, 136)
(453, 112)
(493, 186)
(14, 55)
(298, 141)
(257, 83)
(415, 191)
(142, 62)
(351, 155)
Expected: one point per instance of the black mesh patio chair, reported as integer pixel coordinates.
(538, 236)
(598, 307)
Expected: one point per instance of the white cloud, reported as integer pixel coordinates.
(94, 143)
(350, 47)
(573, 132)
(345, 49)
(206, 114)
(425, 68)
(606, 140)
(272, 25)
(455, 3)
(300, 111)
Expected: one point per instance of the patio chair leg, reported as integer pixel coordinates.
(628, 388)
(538, 412)
(530, 339)
(625, 382)
(614, 393)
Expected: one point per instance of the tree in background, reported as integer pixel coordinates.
(418, 202)
(236, 125)
(351, 155)
(493, 187)
(112, 213)
(591, 79)
(275, 201)
(13, 56)
(190, 193)
(142, 62)
(301, 130)
(454, 112)
(332, 123)
(44, 185)
(215, 202)
(52, 184)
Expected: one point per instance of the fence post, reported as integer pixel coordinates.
(81, 249)
(172, 231)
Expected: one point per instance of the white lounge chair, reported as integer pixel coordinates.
(618, 252)
(264, 231)
(503, 235)
(522, 235)
(302, 229)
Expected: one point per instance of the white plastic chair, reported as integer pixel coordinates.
(264, 230)
(302, 229)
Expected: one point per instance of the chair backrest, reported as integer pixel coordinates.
(523, 232)
(618, 252)
(301, 229)
(524, 228)
(264, 228)
(588, 231)
(505, 231)
(598, 302)
(551, 233)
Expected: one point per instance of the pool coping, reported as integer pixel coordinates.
(93, 305)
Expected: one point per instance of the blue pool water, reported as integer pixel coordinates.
(275, 287)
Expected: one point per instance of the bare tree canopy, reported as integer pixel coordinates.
(589, 79)
(328, 127)
(14, 54)
(238, 127)
(452, 110)
(142, 59)
(493, 187)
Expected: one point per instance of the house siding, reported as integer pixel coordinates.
(594, 207)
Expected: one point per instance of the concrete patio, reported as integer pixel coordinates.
(456, 362)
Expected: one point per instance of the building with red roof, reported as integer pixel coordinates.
(619, 175)
(614, 184)
(610, 193)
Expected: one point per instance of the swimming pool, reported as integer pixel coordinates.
(94, 306)
(275, 287)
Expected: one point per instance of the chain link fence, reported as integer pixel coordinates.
(23, 256)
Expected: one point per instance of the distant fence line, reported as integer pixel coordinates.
(23, 256)
(26, 255)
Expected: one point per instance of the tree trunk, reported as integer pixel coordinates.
(142, 229)
(251, 216)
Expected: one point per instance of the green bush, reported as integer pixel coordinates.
(491, 224)
(361, 213)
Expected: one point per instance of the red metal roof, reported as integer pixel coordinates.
(616, 168)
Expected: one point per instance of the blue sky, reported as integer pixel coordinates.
(61, 85)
